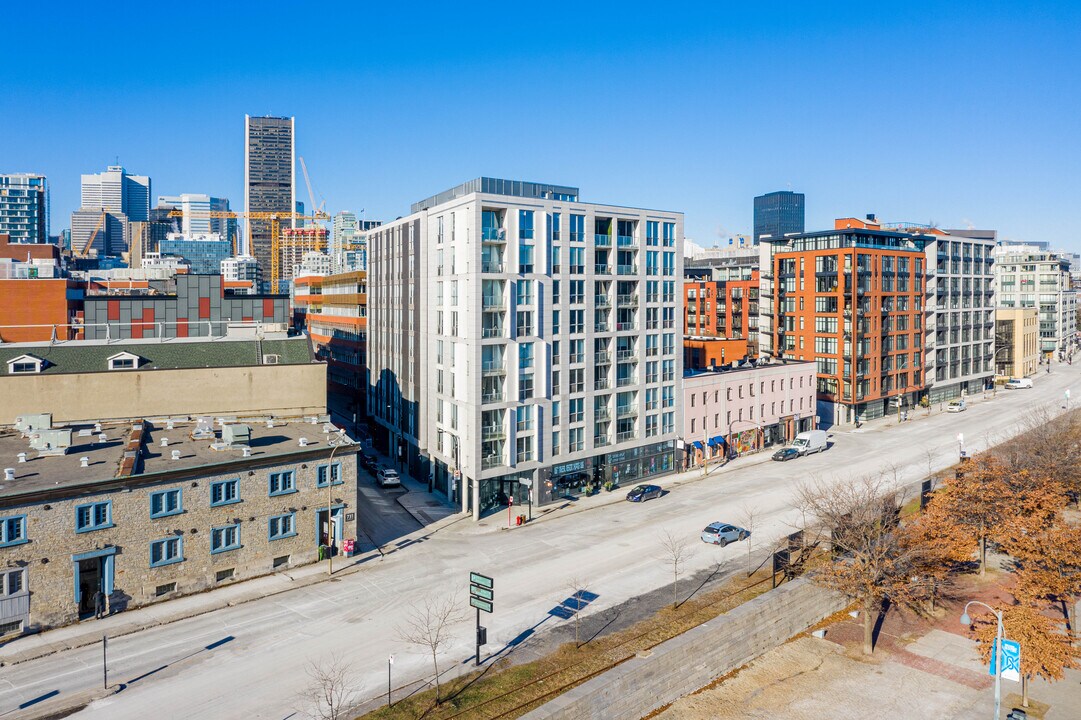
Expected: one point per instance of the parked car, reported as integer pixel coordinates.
(387, 477)
(641, 493)
(369, 462)
(720, 533)
(956, 406)
(786, 453)
(1018, 383)
(811, 441)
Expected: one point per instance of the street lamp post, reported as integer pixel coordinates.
(966, 620)
(335, 442)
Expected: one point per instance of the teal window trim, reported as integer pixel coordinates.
(275, 523)
(219, 535)
(92, 523)
(162, 545)
(335, 475)
(164, 494)
(283, 488)
(225, 500)
(13, 531)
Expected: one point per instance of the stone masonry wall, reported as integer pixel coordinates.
(53, 541)
(695, 658)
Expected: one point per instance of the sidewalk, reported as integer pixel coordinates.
(89, 632)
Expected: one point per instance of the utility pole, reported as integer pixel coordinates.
(390, 663)
(104, 663)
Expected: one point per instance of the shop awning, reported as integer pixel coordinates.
(717, 440)
(697, 444)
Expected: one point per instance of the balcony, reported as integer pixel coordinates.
(602, 413)
(493, 235)
(627, 300)
(601, 441)
(602, 269)
(625, 436)
(491, 461)
(626, 381)
(602, 301)
(602, 358)
(625, 241)
(626, 326)
(602, 240)
(494, 303)
(490, 266)
(494, 397)
(627, 270)
(631, 355)
(627, 411)
(492, 332)
(601, 327)
(492, 368)
(493, 432)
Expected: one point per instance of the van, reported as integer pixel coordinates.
(1018, 383)
(811, 441)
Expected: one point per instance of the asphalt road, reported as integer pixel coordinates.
(249, 661)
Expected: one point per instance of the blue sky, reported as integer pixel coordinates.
(958, 114)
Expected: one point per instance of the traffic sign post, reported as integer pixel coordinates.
(481, 597)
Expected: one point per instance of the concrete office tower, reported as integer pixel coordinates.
(1030, 276)
(24, 215)
(197, 219)
(522, 343)
(777, 214)
(269, 180)
(122, 198)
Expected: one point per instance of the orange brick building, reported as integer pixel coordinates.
(333, 310)
(33, 305)
(720, 320)
(852, 300)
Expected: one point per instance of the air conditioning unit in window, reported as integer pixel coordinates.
(272, 359)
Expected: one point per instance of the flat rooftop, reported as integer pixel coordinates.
(50, 472)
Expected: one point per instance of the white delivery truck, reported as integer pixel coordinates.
(811, 441)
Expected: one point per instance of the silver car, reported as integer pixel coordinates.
(720, 533)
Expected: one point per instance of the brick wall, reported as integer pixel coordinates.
(695, 658)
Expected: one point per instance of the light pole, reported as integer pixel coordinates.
(961, 445)
(335, 443)
(966, 620)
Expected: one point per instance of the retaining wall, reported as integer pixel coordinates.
(697, 657)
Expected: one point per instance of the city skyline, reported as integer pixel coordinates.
(890, 110)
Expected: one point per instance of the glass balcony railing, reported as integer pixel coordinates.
(602, 240)
(625, 241)
(627, 270)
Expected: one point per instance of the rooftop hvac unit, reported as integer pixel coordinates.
(204, 429)
(51, 442)
(236, 434)
(40, 421)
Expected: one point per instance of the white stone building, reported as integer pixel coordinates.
(1030, 276)
(519, 338)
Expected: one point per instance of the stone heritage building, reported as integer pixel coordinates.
(149, 510)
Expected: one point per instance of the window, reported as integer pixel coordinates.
(24, 364)
(525, 224)
(13, 531)
(282, 483)
(224, 492)
(166, 552)
(11, 582)
(94, 516)
(123, 361)
(282, 526)
(334, 471)
(223, 539)
(164, 503)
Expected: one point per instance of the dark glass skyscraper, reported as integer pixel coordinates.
(269, 179)
(778, 213)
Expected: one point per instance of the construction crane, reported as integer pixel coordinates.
(85, 251)
(275, 219)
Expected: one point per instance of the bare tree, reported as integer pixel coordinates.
(329, 688)
(930, 453)
(748, 517)
(676, 553)
(428, 625)
(577, 588)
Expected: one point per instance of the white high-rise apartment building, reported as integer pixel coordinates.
(1031, 276)
(240, 268)
(119, 197)
(523, 344)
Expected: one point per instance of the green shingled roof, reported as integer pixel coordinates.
(79, 357)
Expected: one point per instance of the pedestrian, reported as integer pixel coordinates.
(99, 604)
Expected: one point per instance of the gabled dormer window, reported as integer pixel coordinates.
(124, 361)
(25, 365)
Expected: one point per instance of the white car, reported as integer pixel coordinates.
(1018, 383)
(388, 478)
(956, 406)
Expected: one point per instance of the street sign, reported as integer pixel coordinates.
(482, 580)
(480, 604)
(1011, 660)
(482, 593)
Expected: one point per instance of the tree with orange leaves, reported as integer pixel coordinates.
(1049, 566)
(1045, 648)
(988, 502)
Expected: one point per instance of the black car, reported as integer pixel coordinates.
(369, 462)
(786, 453)
(641, 493)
